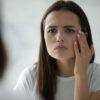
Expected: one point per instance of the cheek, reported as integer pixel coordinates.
(71, 44)
(72, 40)
(48, 43)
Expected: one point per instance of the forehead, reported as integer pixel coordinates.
(61, 18)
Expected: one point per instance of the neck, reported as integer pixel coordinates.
(66, 68)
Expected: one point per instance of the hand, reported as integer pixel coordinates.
(82, 56)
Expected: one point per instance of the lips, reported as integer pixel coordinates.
(60, 47)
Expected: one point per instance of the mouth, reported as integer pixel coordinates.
(60, 47)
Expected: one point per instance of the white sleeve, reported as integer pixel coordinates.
(25, 83)
(95, 80)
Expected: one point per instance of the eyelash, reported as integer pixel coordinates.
(70, 31)
(52, 31)
(67, 30)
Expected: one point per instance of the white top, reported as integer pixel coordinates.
(65, 86)
(8, 94)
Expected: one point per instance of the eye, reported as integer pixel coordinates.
(70, 31)
(52, 31)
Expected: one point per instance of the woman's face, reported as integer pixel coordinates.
(60, 33)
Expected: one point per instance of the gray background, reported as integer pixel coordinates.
(21, 32)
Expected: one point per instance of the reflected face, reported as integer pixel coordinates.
(60, 33)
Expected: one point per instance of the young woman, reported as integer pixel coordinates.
(65, 69)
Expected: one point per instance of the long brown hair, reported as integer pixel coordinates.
(47, 66)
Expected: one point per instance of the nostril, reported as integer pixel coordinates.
(60, 40)
(60, 37)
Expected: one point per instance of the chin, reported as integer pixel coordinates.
(63, 57)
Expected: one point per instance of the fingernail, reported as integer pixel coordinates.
(75, 42)
(78, 35)
(82, 33)
(79, 31)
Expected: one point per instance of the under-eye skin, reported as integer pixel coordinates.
(70, 31)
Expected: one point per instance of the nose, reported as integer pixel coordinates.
(60, 37)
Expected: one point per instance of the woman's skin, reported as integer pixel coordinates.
(61, 29)
(68, 45)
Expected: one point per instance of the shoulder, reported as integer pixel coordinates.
(27, 80)
(94, 77)
(29, 72)
(94, 68)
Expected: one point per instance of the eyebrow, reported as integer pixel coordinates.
(69, 26)
(51, 27)
(66, 26)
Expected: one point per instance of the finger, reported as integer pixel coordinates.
(83, 42)
(92, 49)
(84, 39)
(77, 53)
